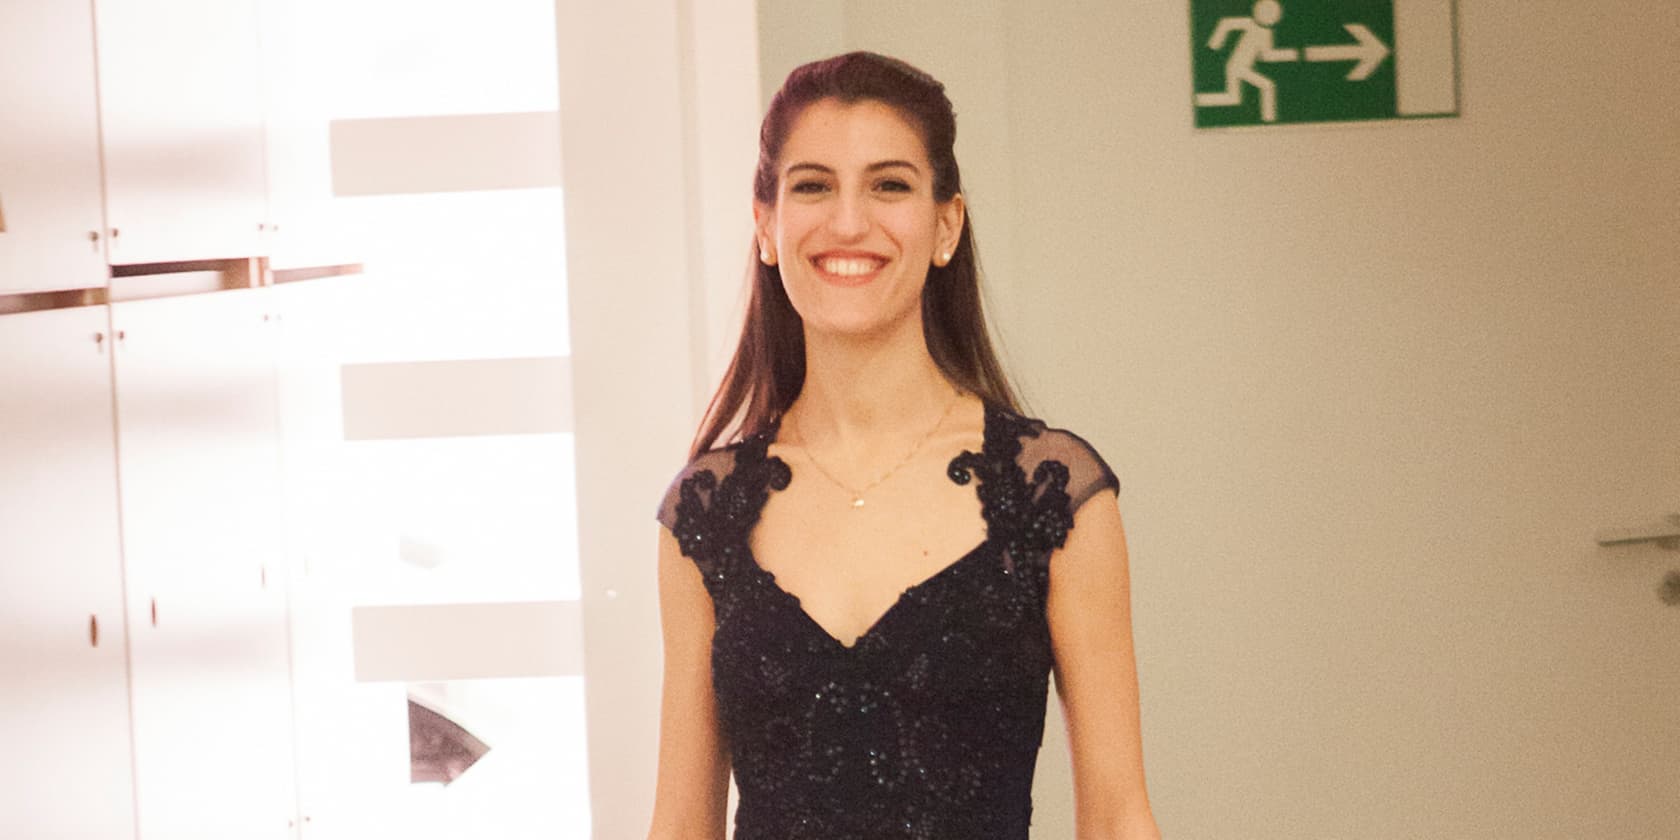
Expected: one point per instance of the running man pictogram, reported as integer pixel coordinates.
(1253, 46)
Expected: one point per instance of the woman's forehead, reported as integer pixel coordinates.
(842, 135)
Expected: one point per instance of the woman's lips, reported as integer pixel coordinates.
(848, 270)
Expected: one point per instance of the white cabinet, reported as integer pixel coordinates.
(164, 410)
(64, 694)
(173, 93)
(49, 149)
(182, 100)
(197, 422)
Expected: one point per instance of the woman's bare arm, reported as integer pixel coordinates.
(690, 799)
(1096, 675)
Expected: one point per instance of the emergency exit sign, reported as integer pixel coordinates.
(1274, 62)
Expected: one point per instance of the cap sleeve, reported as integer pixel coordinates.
(1088, 473)
(695, 482)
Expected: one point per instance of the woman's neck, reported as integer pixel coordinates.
(862, 395)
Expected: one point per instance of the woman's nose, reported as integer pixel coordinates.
(850, 216)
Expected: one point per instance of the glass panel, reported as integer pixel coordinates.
(468, 275)
(397, 58)
(483, 519)
(463, 520)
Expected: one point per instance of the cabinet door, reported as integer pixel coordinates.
(181, 96)
(64, 696)
(49, 149)
(197, 424)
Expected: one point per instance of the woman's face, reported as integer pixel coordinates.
(855, 225)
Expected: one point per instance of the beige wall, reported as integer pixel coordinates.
(1370, 390)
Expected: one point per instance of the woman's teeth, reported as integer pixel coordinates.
(848, 266)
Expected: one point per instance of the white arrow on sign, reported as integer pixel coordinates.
(1369, 52)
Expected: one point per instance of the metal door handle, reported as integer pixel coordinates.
(1665, 533)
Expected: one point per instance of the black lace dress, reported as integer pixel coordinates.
(929, 725)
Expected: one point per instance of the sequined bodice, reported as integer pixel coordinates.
(928, 726)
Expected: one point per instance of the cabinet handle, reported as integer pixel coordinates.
(99, 342)
(93, 630)
(154, 612)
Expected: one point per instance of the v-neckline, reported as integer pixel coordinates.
(987, 429)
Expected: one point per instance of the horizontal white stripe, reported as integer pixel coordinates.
(454, 398)
(440, 642)
(446, 153)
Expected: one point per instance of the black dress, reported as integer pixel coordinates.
(929, 725)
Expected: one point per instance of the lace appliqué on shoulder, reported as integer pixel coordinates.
(713, 518)
(1027, 519)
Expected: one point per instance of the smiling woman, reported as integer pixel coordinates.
(845, 218)
(861, 612)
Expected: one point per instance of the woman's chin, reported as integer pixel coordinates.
(860, 326)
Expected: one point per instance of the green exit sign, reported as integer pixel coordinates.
(1274, 62)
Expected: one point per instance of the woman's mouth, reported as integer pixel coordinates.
(850, 270)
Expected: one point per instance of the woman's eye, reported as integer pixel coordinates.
(893, 185)
(808, 187)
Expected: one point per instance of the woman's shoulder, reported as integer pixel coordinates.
(1045, 453)
(718, 461)
(708, 470)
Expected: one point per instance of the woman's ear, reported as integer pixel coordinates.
(951, 215)
(762, 216)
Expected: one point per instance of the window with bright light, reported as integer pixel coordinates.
(427, 521)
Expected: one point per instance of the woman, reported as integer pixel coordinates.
(864, 594)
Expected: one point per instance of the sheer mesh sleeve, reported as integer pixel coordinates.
(1088, 473)
(718, 463)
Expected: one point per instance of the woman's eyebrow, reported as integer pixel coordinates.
(890, 164)
(814, 167)
(873, 167)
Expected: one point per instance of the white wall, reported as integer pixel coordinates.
(658, 114)
(1370, 390)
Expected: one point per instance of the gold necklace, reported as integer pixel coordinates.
(857, 495)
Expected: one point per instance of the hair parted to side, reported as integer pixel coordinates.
(768, 368)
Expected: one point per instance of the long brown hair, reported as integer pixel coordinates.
(768, 368)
